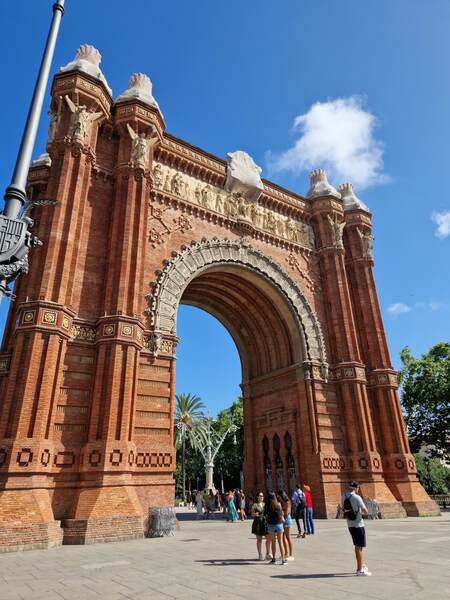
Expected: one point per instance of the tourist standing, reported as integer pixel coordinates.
(232, 514)
(242, 506)
(286, 506)
(259, 526)
(274, 518)
(309, 522)
(298, 509)
(211, 502)
(354, 509)
(199, 504)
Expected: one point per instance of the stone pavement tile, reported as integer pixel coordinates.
(78, 593)
(150, 595)
(12, 592)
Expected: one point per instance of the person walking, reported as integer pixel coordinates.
(298, 509)
(309, 522)
(274, 518)
(232, 514)
(286, 506)
(259, 526)
(354, 510)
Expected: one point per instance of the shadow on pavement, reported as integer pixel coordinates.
(313, 576)
(228, 562)
(192, 516)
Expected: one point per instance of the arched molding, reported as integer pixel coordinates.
(193, 260)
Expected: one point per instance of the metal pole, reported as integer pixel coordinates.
(15, 195)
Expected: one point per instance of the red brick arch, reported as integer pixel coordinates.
(251, 266)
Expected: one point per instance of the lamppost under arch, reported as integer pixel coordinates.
(208, 442)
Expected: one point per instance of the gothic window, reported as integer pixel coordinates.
(278, 462)
(267, 464)
(290, 462)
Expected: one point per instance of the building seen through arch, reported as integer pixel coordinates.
(146, 221)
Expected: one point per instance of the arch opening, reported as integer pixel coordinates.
(276, 334)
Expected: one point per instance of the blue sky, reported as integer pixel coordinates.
(238, 75)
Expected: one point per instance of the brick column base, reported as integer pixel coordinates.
(27, 522)
(103, 529)
(414, 498)
(103, 514)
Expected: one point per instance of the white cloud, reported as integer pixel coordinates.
(338, 136)
(398, 308)
(442, 220)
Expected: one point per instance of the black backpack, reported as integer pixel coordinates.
(301, 503)
(349, 512)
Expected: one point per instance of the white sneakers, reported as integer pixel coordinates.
(260, 557)
(364, 572)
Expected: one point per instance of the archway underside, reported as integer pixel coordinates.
(255, 322)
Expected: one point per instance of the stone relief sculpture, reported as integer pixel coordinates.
(55, 118)
(207, 197)
(243, 175)
(139, 88)
(141, 144)
(220, 203)
(177, 184)
(366, 243)
(81, 121)
(234, 205)
(319, 185)
(157, 176)
(87, 60)
(337, 230)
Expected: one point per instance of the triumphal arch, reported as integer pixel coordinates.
(145, 221)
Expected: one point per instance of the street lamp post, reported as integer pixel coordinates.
(15, 239)
(209, 443)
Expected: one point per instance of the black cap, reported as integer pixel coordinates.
(354, 485)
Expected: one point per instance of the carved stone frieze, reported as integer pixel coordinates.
(159, 344)
(82, 333)
(158, 234)
(234, 206)
(192, 260)
(346, 372)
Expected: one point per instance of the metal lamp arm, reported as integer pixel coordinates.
(233, 429)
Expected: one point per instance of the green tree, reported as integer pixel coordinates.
(434, 477)
(425, 396)
(230, 457)
(188, 415)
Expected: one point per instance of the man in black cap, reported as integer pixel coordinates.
(354, 510)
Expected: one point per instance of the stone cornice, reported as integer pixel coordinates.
(203, 165)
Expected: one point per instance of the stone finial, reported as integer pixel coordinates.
(87, 60)
(43, 160)
(243, 175)
(139, 88)
(350, 199)
(319, 185)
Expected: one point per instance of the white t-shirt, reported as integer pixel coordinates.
(358, 506)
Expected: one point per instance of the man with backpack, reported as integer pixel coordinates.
(298, 509)
(354, 510)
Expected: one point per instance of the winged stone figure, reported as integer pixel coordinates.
(82, 119)
(141, 143)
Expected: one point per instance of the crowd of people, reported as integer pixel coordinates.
(273, 518)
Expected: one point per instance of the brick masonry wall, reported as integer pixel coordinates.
(87, 386)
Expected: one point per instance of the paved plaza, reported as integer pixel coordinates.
(409, 558)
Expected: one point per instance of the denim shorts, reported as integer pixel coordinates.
(288, 522)
(278, 528)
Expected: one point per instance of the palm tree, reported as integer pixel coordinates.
(188, 415)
